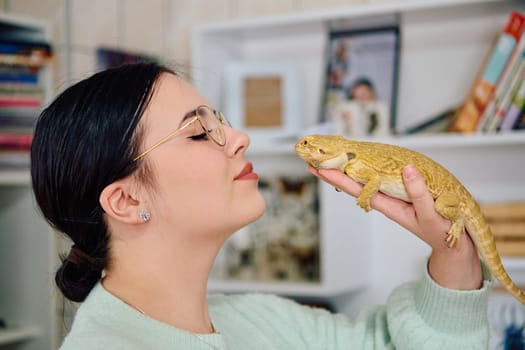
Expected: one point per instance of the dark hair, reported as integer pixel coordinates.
(358, 82)
(83, 141)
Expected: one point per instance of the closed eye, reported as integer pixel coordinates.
(203, 136)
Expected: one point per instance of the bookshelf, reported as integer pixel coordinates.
(443, 43)
(28, 302)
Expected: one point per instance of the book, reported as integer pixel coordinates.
(468, 116)
(23, 46)
(19, 101)
(520, 123)
(15, 160)
(13, 141)
(24, 53)
(500, 110)
(20, 111)
(468, 107)
(18, 124)
(35, 59)
(505, 89)
(515, 109)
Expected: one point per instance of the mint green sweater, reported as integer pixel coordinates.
(417, 316)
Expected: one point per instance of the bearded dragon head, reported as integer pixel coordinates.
(323, 151)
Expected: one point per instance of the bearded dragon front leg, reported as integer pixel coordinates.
(447, 205)
(371, 182)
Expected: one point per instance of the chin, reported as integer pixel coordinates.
(252, 210)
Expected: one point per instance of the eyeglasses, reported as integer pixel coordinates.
(211, 122)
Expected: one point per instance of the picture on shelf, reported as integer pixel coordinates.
(360, 89)
(262, 99)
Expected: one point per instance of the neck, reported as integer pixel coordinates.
(165, 282)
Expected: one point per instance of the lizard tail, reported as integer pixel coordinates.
(486, 244)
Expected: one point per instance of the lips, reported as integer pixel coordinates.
(247, 173)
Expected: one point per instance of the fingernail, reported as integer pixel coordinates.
(409, 172)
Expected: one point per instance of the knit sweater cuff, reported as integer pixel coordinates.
(452, 311)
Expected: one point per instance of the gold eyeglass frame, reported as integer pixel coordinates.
(218, 115)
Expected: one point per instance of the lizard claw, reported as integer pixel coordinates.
(454, 235)
(365, 204)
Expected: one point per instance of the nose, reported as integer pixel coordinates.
(236, 141)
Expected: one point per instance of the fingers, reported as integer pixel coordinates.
(337, 179)
(393, 208)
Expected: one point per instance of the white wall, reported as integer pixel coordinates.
(157, 27)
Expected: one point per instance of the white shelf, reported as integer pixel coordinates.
(421, 141)
(330, 15)
(14, 177)
(457, 140)
(9, 336)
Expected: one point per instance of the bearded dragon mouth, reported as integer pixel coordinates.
(336, 162)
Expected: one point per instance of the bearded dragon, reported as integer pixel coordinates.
(379, 168)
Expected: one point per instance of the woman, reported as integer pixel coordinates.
(148, 181)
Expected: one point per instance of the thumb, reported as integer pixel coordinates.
(418, 193)
(414, 184)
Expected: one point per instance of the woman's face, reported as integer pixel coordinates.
(198, 190)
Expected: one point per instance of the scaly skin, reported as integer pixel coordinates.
(379, 168)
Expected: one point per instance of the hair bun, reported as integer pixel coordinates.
(78, 274)
(78, 257)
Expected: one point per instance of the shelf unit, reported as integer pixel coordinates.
(443, 43)
(433, 141)
(28, 300)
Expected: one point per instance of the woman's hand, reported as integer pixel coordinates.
(450, 267)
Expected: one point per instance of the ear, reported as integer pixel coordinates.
(119, 202)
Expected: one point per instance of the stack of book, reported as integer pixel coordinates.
(507, 222)
(21, 97)
(496, 101)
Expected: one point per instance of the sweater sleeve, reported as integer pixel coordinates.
(420, 315)
(425, 315)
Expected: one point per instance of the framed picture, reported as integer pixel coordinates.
(262, 99)
(360, 89)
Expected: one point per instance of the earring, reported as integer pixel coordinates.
(144, 215)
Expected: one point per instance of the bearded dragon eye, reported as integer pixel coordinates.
(350, 155)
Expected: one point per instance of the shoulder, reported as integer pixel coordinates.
(104, 322)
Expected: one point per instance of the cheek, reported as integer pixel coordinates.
(198, 191)
(190, 186)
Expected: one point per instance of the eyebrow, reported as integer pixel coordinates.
(188, 115)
